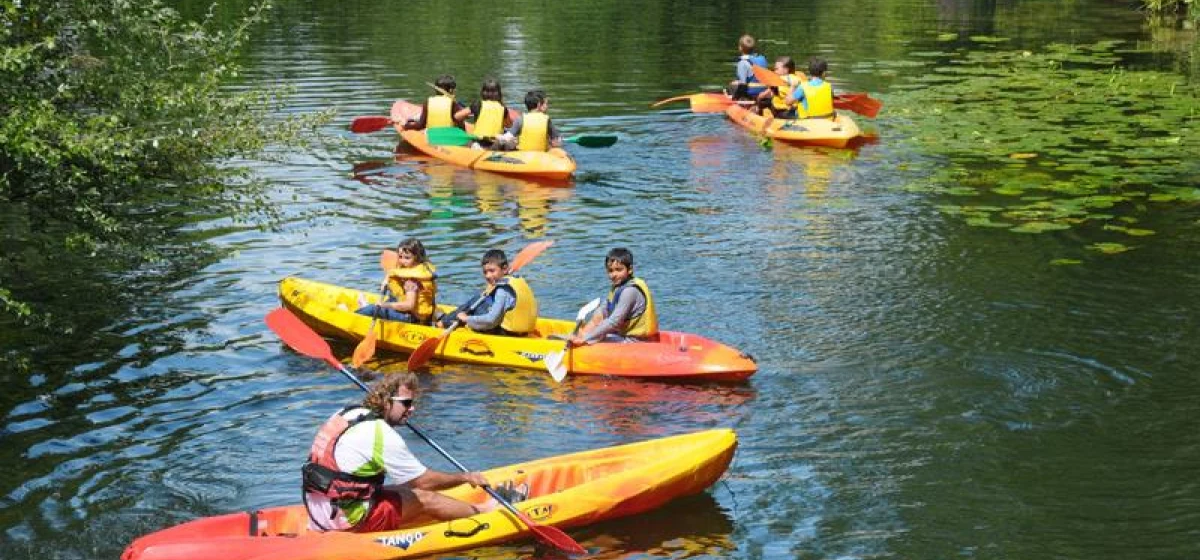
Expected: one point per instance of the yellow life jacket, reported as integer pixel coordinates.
(441, 111)
(535, 130)
(780, 99)
(489, 123)
(522, 318)
(426, 275)
(819, 99)
(638, 326)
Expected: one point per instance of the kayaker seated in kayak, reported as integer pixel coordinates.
(628, 314)
(773, 101)
(491, 116)
(506, 307)
(357, 449)
(814, 98)
(411, 287)
(439, 110)
(745, 86)
(532, 131)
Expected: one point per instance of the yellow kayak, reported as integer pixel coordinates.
(329, 310)
(554, 163)
(564, 491)
(836, 132)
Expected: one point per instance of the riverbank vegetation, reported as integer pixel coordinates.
(116, 113)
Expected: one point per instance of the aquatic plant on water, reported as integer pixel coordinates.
(1052, 140)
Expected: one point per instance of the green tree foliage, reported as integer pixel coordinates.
(112, 107)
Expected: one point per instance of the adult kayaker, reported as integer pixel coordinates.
(353, 453)
(439, 110)
(506, 307)
(412, 287)
(629, 311)
(745, 86)
(491, 116)
(533, 130)
(814, 98)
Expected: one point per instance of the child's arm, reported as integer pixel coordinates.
(626, 303)
(409, 303)
(494, 315)
(462, 114)
(553, 135)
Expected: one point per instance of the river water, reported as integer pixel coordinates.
(926, 389)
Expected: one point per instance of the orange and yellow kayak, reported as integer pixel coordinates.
(836, 132)
(329, 310)
(555, 163)
(564, 491)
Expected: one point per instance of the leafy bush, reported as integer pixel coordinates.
(112, 106)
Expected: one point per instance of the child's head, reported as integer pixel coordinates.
(746, 44)
(817, 67)
(491, 91)
(535, 99)
(412, 251)
(784, 65)
(495, 265)
(446, 82)
(619, 265)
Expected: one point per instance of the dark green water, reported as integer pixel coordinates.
(927, 389)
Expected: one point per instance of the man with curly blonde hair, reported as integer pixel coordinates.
(357, 449)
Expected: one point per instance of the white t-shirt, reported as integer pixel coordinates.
(356, 453)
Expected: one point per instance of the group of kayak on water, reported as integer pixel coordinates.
(494, 128)
(356, 450)
(800, 97)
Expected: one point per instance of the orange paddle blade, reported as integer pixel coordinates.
(427, 349)
(767, 76)
(672, 100)
(369, 124)
(552, 536)
(388, 260)
(366, 348)
(289, 328)
(529, 253)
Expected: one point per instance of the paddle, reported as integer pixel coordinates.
(362, 125)
(454, 136)
(592, 140)
(366, 348)
(425, 351)
(304, 340)
(555, 362)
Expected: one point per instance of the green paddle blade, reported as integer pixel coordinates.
(447, 136)
(593, 140)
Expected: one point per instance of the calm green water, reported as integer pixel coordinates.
(928, 389)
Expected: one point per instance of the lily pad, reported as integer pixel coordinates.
(1039, 227)
(1065, 262)
(1109, 248)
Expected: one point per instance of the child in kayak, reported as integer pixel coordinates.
(533, 130)
(814, 98)
(775, 100)
(745, 86)
(628, 314)
(439, 110)
(506, 307)
(491, 116)
(412, 287)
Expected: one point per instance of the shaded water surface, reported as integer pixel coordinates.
(927, 389)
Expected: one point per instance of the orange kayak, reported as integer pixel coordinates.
(835, 133)
(564, 491)
(555, 163)
(679, 356)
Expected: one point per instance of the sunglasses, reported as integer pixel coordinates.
(406, 402)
